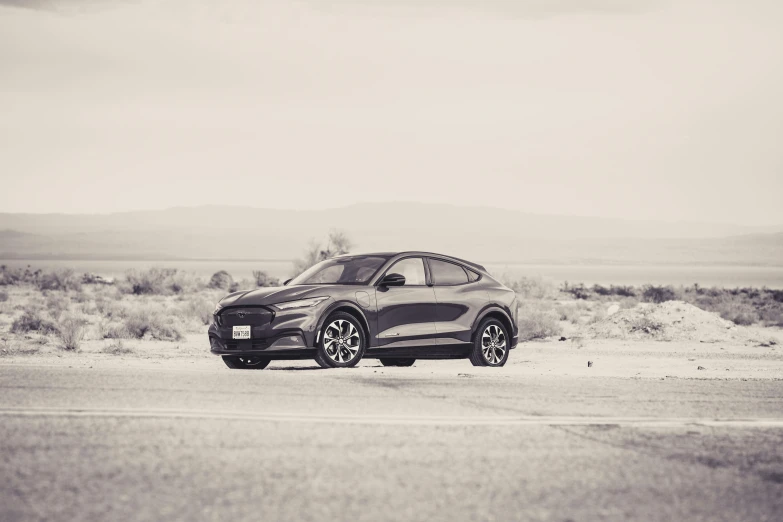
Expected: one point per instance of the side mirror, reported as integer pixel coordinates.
(287, 281)
(393, 280)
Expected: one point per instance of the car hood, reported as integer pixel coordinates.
(272, 295)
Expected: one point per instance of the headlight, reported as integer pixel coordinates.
(302, 303)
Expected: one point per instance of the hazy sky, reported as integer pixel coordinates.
(668, 109)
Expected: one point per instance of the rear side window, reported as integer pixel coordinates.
(472, 276)
(444, 273)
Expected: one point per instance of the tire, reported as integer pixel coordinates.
(245, 362)
(397, 362)
(342, 343)
(490, 344)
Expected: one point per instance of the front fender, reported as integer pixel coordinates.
(337, 305)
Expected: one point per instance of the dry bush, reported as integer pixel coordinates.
(3, 296)
(577, 291)
(538, 324)
(738, 312)
(160, 281)
(572, 312)
(658, 294)
(81, 297)
(530, 287)
(199, 308)
(337, 244)
(71, 332)
(645, 324)
(140, 323)
(115, 331)
(57, 304)
(118, 348)
(221, 280)
(65, 279)
(263, 279)
(32, 320)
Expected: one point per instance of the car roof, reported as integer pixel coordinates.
(389, 255)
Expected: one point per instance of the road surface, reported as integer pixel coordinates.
(439, 441)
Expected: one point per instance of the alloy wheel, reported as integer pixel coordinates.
(493, 344)
(341, 341)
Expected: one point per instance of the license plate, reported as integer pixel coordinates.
(242, 332)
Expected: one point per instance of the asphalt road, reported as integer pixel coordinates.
(440, 441)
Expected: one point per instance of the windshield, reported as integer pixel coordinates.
(355, 270)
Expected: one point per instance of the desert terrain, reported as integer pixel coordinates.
(614, 407)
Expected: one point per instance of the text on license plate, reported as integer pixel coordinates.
(242, 332)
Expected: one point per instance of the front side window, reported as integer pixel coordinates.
(354, 270)
(444, 273)
(413, 270)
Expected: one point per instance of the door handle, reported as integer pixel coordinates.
(393, 334)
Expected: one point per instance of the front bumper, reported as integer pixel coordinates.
(286, 331)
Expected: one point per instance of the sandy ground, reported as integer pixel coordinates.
(610, 358)
(171, 433)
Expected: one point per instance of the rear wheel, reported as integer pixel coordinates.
(342, 342)
(490, 345)
(397, 362)
(245, 362)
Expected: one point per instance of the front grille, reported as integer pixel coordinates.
(246, 316)
(241, 346)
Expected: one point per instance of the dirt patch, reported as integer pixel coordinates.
(670, 321)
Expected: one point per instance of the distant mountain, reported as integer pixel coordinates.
(484, 234)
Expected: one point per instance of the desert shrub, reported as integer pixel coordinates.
(221, 280)
(572, 312)
(530, 287)
(737, 312)
(16, 276)
(536, 324)
(577, 291)
(110, 308)
(658, 294)
(118, 348)
(71, 331)
(115, 331)
(772, 317)
(57, 304)
(63, 280)
(644, 324)
(32, 321)
(142, 322)
(159, 281)
(263, 279)
(81, 297)
(623, 291)
(3, 296)
(198, 308)
(337, 244)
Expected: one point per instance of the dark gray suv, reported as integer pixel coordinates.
(396, 307)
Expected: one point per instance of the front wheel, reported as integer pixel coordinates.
(342, 342)
(490, 345)
(397, 362)
(245, 362)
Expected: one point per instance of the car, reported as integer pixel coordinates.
(394, 306)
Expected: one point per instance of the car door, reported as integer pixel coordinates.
(459, 300)
(406, 314)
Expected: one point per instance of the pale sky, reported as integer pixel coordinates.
(670, 109)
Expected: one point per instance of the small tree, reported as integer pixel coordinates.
(221, 280)
(337, 244)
